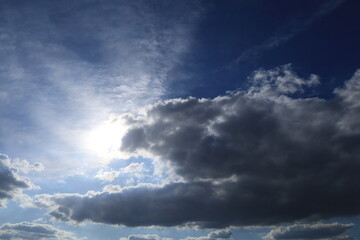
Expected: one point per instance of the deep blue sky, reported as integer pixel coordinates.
(325, 44)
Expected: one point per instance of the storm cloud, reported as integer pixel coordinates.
(331, 231)
(258, 157)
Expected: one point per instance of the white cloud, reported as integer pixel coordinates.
(25, 167)
(216, 235)
(136, 169)
(112, 188)
(144, 237)
(277, 81)
(107, 176)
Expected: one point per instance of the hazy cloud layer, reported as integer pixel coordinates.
(64, 67)
(276, 158)
(216, 235)
(332, 231)
(11, 184)
(32, 231)
(144, 237)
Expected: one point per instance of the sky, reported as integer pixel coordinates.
(179, 120)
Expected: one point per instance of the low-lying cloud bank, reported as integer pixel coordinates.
(331, 231)
(275, 157)
(145, 237)
(216, 235)
(33, 231)
(11, 183)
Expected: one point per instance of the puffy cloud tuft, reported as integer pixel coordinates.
(216, 235)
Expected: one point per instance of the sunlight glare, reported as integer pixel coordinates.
(105, 139)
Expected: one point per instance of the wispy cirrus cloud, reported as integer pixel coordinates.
(64, 69)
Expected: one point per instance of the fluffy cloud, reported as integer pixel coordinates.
(216, 235)
(107, 176)
(25, 167)
(135, 169)
(333, 231)
(275, 158)
(32, 231)
(11, 184)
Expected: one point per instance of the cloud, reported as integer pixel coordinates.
(135, 169)
(85, 60)
(32, 231)
(216, 235)
(144, 237)
(107, 176)
(257, 157)
(280, 80)
(112, 188)
(11, 184)
(331, 231)
(25, 167)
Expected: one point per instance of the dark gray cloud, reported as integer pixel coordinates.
(284, 159)
(32, 231)
(11, 184)
(332, 231)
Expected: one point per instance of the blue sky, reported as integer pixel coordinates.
(179, 120)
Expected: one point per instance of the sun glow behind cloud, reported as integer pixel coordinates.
(104, 140)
